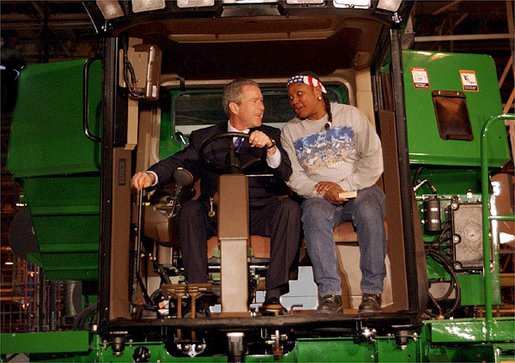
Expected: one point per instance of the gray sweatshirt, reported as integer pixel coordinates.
(348, 153)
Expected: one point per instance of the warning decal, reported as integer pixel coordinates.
(420, 78)
(469, 81)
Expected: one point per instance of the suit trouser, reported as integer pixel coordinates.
(279, 220)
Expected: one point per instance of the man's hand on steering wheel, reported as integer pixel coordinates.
(261, 140)
(233, 163)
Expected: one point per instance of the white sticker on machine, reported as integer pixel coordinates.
(469, 81)
(420, 78)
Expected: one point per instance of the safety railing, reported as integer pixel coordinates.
(485, 182)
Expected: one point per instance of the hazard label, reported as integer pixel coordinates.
(469, 81)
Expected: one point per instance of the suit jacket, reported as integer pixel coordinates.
(262, 190)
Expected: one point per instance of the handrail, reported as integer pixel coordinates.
(487, 267)
(85, 100)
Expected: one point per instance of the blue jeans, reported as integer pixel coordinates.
(366, 212)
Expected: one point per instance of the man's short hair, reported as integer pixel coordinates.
(232, 92)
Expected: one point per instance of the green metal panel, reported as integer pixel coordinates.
(49, 342)
(167, 143)
(470, 330)
(59, 166)
(466, 340)
(451, 181)
(436, 271)
(48, 121)
(305, 350)
(459, 340)
(443, 71)
(350, 350)
(473, 290)
(506, 352)
(461, 353)
(65, 217)
(471, 284)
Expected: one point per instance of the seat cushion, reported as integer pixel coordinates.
(260, 246)
(344, 233)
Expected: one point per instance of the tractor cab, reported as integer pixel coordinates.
(168, 74)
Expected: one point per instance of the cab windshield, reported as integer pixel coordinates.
(193, 109)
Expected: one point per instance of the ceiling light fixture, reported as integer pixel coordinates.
(194, 3)
(139, 6)
(389, 5)
(110, 9)
(358, 4)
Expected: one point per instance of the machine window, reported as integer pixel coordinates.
(197, 109)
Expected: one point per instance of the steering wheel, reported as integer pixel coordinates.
(234, 161)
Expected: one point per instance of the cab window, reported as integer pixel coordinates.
(195, 109)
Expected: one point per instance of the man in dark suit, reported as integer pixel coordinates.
(269, 215)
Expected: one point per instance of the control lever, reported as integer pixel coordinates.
(136, 278)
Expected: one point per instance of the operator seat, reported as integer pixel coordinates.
(346, 240)
(162, 229)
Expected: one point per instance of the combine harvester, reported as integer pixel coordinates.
(82, 128)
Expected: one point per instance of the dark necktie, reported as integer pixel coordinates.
(237, 142)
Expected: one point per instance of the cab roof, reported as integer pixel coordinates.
(259, 39)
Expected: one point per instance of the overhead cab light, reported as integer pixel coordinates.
(307, 2)
(248, 1)
(358, 4)
(194, 3)
(147, 5)
(110, 9)
(389, 5)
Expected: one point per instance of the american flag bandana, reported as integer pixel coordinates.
(310, 81)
